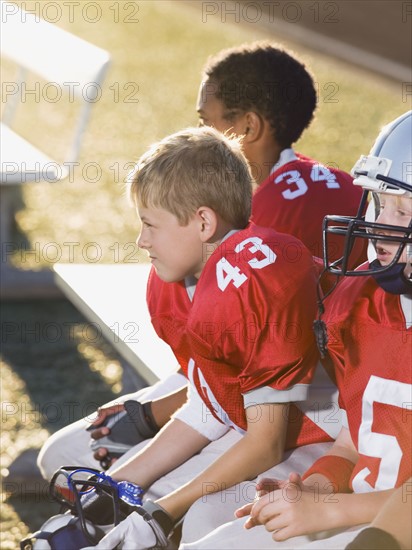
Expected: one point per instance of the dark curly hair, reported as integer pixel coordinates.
(266, 79)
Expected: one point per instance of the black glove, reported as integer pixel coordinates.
(127, 429)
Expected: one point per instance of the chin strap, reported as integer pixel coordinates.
(392, 280)
(319, 326)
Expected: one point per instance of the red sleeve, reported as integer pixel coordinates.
(169, 308)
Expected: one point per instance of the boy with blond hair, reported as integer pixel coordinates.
(249, 328)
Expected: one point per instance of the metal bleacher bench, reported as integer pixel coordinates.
(113, 298)
(45, 56)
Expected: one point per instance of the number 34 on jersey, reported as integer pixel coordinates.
(298, 186)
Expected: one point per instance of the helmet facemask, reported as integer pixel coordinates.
(386, 172)
(365, 227)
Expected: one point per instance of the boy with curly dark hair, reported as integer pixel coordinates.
(265, 94)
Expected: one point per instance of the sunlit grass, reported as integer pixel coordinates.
(150, 91)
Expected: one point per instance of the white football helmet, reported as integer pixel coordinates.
(61, 532)
(93, 504)
(387, 169)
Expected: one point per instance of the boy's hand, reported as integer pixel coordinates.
(121, 427)
(96, 433)
(263, 486)
(267, 485)
(290, 511)
(104, 412)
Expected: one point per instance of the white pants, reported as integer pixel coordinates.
(202, 521)
(70, 446)
(233, 536)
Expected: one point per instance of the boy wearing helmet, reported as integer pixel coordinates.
(368, 327)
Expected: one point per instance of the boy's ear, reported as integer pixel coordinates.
(208, 223)
(254, 127)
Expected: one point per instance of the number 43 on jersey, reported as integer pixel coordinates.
(227, 273)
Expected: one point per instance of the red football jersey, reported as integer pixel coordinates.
(370, 344)
(297, 196)
(250, 329)
(169, 305)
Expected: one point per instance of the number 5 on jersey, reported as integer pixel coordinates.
(227, 273)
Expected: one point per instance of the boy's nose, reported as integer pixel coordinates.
(382, 218)
(141, 241)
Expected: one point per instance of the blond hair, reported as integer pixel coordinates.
(192, 168)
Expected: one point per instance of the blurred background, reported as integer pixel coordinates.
(359, 53)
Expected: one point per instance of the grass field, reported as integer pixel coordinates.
(158, 49)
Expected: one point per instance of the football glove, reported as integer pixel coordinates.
(148, 527)
(127, 429)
